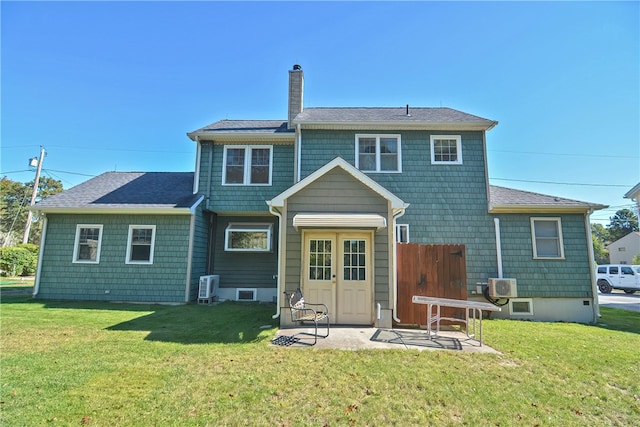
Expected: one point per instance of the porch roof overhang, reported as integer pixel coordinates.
(339, 220)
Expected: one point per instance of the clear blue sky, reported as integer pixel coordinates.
(116, 85)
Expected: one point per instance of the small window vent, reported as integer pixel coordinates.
(521, 306)
(246, 294)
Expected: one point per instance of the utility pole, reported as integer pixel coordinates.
(36, 182)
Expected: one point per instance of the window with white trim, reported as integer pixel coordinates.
(546, 236)
(247, 165)
(521, 306)
(248, 237)
(402, 233)
(86, 248)
(378, 153)
(446, 150)
(140, 244)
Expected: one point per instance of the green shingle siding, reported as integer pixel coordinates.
(162, 281)
(243, 198)
(246, 269)
(448, 203)
(200, 247)
(562, 278)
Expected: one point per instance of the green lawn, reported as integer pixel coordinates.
(16, 284)
(105, 364)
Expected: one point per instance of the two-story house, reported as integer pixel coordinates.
(320, 202)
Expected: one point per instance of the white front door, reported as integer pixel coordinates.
(337, 271)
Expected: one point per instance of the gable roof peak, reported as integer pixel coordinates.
(338, 162)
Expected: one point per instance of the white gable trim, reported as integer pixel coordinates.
(338, 162)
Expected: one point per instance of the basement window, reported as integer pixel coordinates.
(246, 294)
(521, 306)
(248, 237)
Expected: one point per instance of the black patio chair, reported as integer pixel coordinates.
(302, 312)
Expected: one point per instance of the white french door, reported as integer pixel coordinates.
(337, 271)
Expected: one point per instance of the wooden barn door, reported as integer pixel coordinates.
(433, 271)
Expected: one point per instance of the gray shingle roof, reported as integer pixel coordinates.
(127, 190)
(244, 126)
(508, 197)
(423, 115)
(395, 116)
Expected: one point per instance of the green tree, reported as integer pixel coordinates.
(600, 254)
(19, 260)
(15, 198)
(601, 238)
(636, 260)
(622, 223)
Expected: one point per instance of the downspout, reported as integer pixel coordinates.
(192, 224)
(395, 266)
(273, 211)
(43, 237)
(496, 223)
(592, 263)
(209, 178)
(299, 153)
(192, 235)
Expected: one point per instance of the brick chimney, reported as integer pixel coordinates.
(296, 89)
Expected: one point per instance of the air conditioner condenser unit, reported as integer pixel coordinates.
(208, 286)
(503, 288)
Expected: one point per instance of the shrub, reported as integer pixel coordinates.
(19, 260)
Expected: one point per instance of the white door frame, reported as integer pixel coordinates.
(333, 290)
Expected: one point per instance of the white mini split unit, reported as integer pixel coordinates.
(208, 287)
(503, 288)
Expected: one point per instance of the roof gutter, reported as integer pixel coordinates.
(132, 211)
(242, 136)
(544, 208)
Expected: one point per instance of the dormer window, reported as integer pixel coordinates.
(247, 165)
(378, 153)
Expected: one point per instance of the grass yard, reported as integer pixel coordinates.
(16, 284)
(101, 364)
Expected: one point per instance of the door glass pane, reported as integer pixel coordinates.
(319, 259)
(354, 260)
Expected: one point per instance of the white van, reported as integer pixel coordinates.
(618, 276)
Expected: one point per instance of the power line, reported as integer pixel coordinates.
(70, 173)
(120, 149)
(563, 183)
(24, 170)
(565, 154)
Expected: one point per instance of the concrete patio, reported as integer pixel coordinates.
(366, 338)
